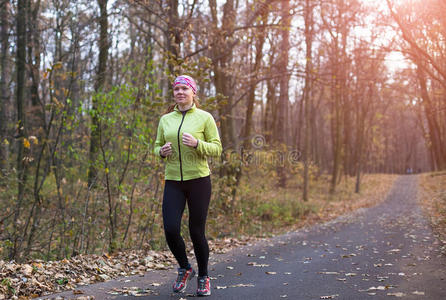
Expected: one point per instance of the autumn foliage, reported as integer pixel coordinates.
(304, 94)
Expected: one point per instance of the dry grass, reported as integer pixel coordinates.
(278, 210)
(374, 189)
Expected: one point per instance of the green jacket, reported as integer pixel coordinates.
(186, 162)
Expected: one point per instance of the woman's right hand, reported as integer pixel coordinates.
(166, 149)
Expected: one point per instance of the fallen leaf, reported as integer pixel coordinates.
(329, 296)
(394, 250)
(418, 293)
(399, 294)
(131, 291)
(27, 270)
(104, 277)
(329, 273)
(379, 288)
(377, 265)
(243, 285)
(113, 293)
(255, 264)
(78, 292)
(348, 255)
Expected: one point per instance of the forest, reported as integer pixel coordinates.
(304, 92)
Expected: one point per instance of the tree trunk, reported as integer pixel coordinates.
(284, 90)
(339, 91)
(173, 38)
(363, 109)
(336, 135)
(251, 95)
(299, 123)
(270, 108)
(221, 59)
(21, 130)
(4, 90)
(103, 46)
(33, 39)
(308, 31)
(34, 52)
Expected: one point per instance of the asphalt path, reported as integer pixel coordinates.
(387, 251)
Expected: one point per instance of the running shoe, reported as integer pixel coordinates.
(184, 275)
(204, 286)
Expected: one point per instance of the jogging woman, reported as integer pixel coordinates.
(186, 136)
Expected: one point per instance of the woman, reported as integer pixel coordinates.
(186, 137)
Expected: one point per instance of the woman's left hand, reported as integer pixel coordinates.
(189, 140)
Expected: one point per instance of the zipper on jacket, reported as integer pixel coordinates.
(179, 147)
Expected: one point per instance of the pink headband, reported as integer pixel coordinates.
(187, 80)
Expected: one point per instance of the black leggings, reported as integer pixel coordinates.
(197, 193)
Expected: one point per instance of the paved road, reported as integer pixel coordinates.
(383, 252)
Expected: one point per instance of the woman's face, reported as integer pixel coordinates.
(183, 94)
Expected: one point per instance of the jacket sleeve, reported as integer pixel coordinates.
(211, 146)
(160, 141)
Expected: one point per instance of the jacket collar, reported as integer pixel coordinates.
(193, 107)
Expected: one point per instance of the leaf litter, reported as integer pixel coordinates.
(39, 278)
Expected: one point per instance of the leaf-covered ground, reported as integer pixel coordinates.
(432, 195)
(37, 278)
